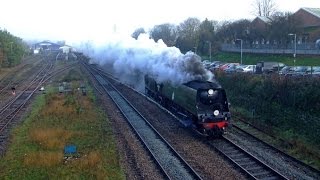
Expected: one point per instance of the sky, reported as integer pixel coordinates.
(81, 20)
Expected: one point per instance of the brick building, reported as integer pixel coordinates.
(309, 21)
(259, 28)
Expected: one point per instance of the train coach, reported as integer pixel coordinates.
(203, 104)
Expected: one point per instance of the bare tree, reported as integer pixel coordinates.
(137, 32)
(167, 32)
(264, 7)
(188, 32)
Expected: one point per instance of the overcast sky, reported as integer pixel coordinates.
(78, 20)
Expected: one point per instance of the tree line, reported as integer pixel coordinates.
(198, 36)
(12, 49)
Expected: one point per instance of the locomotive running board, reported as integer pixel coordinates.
(185, 120)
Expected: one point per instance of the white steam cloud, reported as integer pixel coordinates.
(131, 59)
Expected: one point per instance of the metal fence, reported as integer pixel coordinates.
(306, 48)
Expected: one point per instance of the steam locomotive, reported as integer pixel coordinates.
(203, 105)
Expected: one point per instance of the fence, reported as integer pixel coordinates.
(304, 49)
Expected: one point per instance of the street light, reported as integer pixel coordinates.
(295, 44)
(240, 49)
(209, 48)
(295, 48)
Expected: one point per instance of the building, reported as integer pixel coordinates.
(261, 23)
(45, 45)
(65, 49)
(309, 21)
(259, 28)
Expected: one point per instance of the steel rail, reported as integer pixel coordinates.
(27, 94)
(277, 150)
(109, 88)
(248, 163)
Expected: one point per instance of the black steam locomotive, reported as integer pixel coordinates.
(202, 104)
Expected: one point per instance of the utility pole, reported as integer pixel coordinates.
(295, 48)
(240, 49)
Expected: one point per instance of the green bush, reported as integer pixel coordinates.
(12, 49)
(284, 103)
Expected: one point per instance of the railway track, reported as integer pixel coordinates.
(18, 78)
(249, 164)
(252, 134)
(260, 171)
(11, 109)
(254, 166)
(169, 161)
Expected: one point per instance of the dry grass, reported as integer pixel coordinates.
(58, 108)
(90, 160)
(43, 159)
(50, 138)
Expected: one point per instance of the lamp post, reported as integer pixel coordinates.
(295, 48)
(240, 49)
(209, 48)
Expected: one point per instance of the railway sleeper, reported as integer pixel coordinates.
(270, 178)
(226, 149)
(248, 164)
(261, 174)
(236, 156)
(242, 159)
(253, 168)
(233, 151)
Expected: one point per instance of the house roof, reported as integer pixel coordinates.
(313, 11)
(46, 43)
(263, 18)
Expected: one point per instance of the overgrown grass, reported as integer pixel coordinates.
(57, 120)
(254, 58)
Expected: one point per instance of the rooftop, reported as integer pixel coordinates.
(313, 11)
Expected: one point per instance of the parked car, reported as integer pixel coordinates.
(206, 63)
(301, 70)
(315, 71)
(246, 68)
(231, 69)
(287, 70)
(269, 67)
(228, 65)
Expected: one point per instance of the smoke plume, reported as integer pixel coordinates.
(131, 59)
